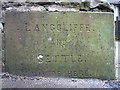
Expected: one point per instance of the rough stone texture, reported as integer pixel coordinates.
(2, 16)
(13, 0)
(111, 1)
(56, 83)
(117, 60)
(117, 72)
(60, 8)
(40, 0)
(1, 34)
(68, 5)
(118, 53)
(14, 81)
(1, 28)
(26, 8)
(60, 44)
(0, 61)
(0, 42)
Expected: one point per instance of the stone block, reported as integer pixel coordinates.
(68, 44)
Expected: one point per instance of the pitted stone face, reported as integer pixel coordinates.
(69, 44)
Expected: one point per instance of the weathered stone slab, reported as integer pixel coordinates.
(70, 44)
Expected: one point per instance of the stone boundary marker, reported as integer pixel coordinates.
(69, 44)
(33, 59)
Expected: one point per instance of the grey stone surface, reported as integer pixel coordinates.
(78, 5)
(0, 61)
(111, 1)
(60, 8)
(26, 8)
(40, 0)
(14, 81)
(51, 82)
(13, 0)
(2, 16)
(118, 73)
(1, 28)
(119, 53)
(117, 60)
(0, 42)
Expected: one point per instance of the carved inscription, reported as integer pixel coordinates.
(70, 73)
(64, 58)
(63, 43)
(61, 27)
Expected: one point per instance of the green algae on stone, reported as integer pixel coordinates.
(68, 44)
